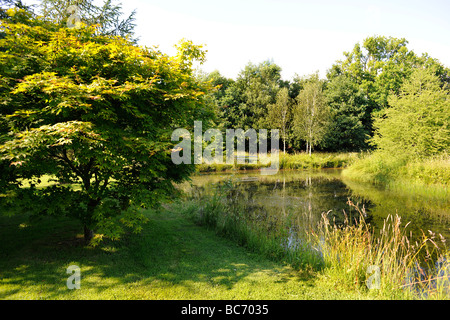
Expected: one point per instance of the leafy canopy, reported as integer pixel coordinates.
(348, 107)
(311, 117)
(418, 123)
(95, 113)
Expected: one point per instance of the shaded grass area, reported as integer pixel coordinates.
(171, 259)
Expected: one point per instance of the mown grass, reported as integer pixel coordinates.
(173, 258)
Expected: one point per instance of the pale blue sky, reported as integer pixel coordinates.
(300, 36)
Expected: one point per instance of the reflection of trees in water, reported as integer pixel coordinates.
(307, 198)
(303, 197)
(420, 212)
(299, 202)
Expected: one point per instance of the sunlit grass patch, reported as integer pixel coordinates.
(425, 177)
(172, 258)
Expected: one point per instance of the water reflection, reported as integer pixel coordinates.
(311, 193)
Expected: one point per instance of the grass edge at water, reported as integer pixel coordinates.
(301, 160)
(427, 177)
(393, 254)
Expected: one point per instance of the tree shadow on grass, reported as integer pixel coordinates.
(179, 253)
(170, 253)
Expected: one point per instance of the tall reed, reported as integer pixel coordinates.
(354, 254)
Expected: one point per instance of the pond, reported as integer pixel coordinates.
(311, 193)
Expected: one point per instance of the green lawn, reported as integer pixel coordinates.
(171, 259)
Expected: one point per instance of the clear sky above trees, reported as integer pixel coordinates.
(300, 36)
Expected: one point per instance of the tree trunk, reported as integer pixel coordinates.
(88, 234)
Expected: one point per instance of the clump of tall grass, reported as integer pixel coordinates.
(394, 171)
(297, 161)
(316, 160)
(435, 170)
(354, 254)
(374, 168)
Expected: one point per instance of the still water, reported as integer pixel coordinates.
(319, 191)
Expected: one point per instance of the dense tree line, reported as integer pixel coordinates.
(333, 114)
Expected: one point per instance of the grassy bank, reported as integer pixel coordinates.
(172, 258)
(210, 248)
(317, 160)
(430, 177)
(188, 251)
(343, 254)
